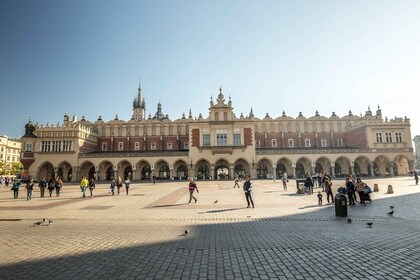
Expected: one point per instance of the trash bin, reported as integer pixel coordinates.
(341, 205)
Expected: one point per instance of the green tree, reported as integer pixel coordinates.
(16, 168)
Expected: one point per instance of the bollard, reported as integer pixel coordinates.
(390, 190)
(375, 188)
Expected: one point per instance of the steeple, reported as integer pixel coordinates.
(139, 105)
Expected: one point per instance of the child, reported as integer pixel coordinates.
(319, 198)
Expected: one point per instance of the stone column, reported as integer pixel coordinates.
(115, 173)
(294, 172)
(55, 172)
(333, 170)
(391, 171)
(75, 174)
(352, 169)
(372, 171)
(212, 175)
(313, 169)
(231, 171)
(171, 172)
(134, 173)
(274, 174)
(96, 173)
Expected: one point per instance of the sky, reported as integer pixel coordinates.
(87, 57)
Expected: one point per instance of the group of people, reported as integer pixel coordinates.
(119, 183)
(6, 181)
(53, 183)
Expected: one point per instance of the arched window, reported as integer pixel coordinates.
(146, 173)
(262, 171)
(240, 170)
(164, 172)
(182, 172)
(203, 172)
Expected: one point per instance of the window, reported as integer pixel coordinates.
(340, 142)
(388, 137)
(67, 146)
(169, 146)
(257, 143)
(307, 142)
(120, 146)
(136, 146)
(221, 137)
(153, 146)
(378, 137)
(104, 146)
(273, 143)
(398, 137)
(28, 147)
(290, 143)
(2, 149)
(8, 158)
(237, 139)
(185, 145)
(323, 142)
(206, 140)
(13, 159)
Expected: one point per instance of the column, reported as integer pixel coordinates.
(333, 170)
(372, 171)
(171, 172)
(313, 169)
(74, 174)
(212, 175)
(55, 172)
(274, 174)
(134, 173)
(294, 172)
(115, 173)
(391, 171)
(231, 172)
(352, 169)
(96, 173)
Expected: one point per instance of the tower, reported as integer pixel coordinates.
(139, 106)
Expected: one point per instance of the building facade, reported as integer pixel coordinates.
(10, 151)
(218, 146)
(417, 151)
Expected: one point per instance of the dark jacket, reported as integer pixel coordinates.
(247, 186)
(308, 182)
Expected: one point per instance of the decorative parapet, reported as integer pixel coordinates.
(134, 154)
(283, 151)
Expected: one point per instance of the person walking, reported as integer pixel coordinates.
(119, 184)
(58, 186)
(42, 186)
(309, 185)
(416, 177)
(112, 187)
(236, 182)
(284, 180)
(319, 195)
(51, 186)
(83, 186)
(29, 189)
(15, 188)
(127, 184)
(350, 190)
(247, 190)
(361, 186)
(328, 190)
(91, 186)
(192, 186)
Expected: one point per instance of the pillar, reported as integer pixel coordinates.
(372, 171)
(313, 169)
(274, 174)
(391, 171)
(333, 170)
(212, 175)
(294, 171)
(55, 172)
(115, 173)
(171, 173)
(351, 169)
(231, 170)
(96, 174)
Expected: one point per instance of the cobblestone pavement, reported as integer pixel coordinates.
(141, 235)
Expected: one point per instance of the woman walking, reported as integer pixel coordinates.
(247, 190)
(127, 184)
(58, 186)
(119, 184)
(51, 186)
(29, 189)
(360, 187)
(15, 188)
(91, 186)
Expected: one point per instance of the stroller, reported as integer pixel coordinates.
(368, 191)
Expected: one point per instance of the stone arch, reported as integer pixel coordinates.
(323, 165)
(241, 168)
(263, 168)
(65, 171)
(180, 170)
(381, 165)
(402, 165)
(342, 166)
(124, 169)
(162, 171)
(221, 169)
(362, 166)
(87, 169)
(284, 165)
(105, 170)
(144, 170)
(202, 169)
(46, 170)
(303, 167)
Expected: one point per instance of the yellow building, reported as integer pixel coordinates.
(219, 145)
(10, 150)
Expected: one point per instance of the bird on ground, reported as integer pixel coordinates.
(186, 231)
(390, 213)
(215, 201)
(369, 224)
(41, 222)
(348, 220)
(391, 207)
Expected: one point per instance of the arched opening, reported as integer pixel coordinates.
(46, 170)
(300, 170)
(106, 170)
(146, 173)
(182, 172)
(262, 171)
(303, 167)
(65, 171)
(318, 168)
(164, 173)
(109, 174)
(342, 167)
(128, 173)
(240, 171)
(87, 169)
(284, 166)
(221, 170)
(280, 170)
(337, 170)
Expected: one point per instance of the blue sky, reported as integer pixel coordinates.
(86, 57)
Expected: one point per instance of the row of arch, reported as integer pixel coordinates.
(264, 168)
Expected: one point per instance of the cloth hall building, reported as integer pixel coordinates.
(217, 146)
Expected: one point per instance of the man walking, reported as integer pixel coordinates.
(192, 187)
(247, 190)
(83, 186)
(42, 185)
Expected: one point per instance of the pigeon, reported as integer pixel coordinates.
(348, 220)
(215, 201)
(369, 224)
(390, 213)
(391, 207)
(186, 231)
(41, 222)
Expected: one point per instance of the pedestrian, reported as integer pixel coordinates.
(91, 186)
(192, 186)
(83, 186)
(319, 195)
(154, 179)
(29, 188)
(119, 184)
(42, 186)
(328, 190)
(127, 184)
(15, 188)
(247, 190)
(112, 187)
(350, 190)
(3, 183)
(309, 185)
(416, 177)
(236, 182)
(58, 186)
(284, 180)
(361, 186)
(51, 186)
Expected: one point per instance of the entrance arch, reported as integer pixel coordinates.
(342, 167)
(303, 167)
(284, 165)
(203, 170)
(362, 167)
(145, 170)
(65, 171)
(46, 170)
(163, 172)
(87, 169)
(221, 170)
